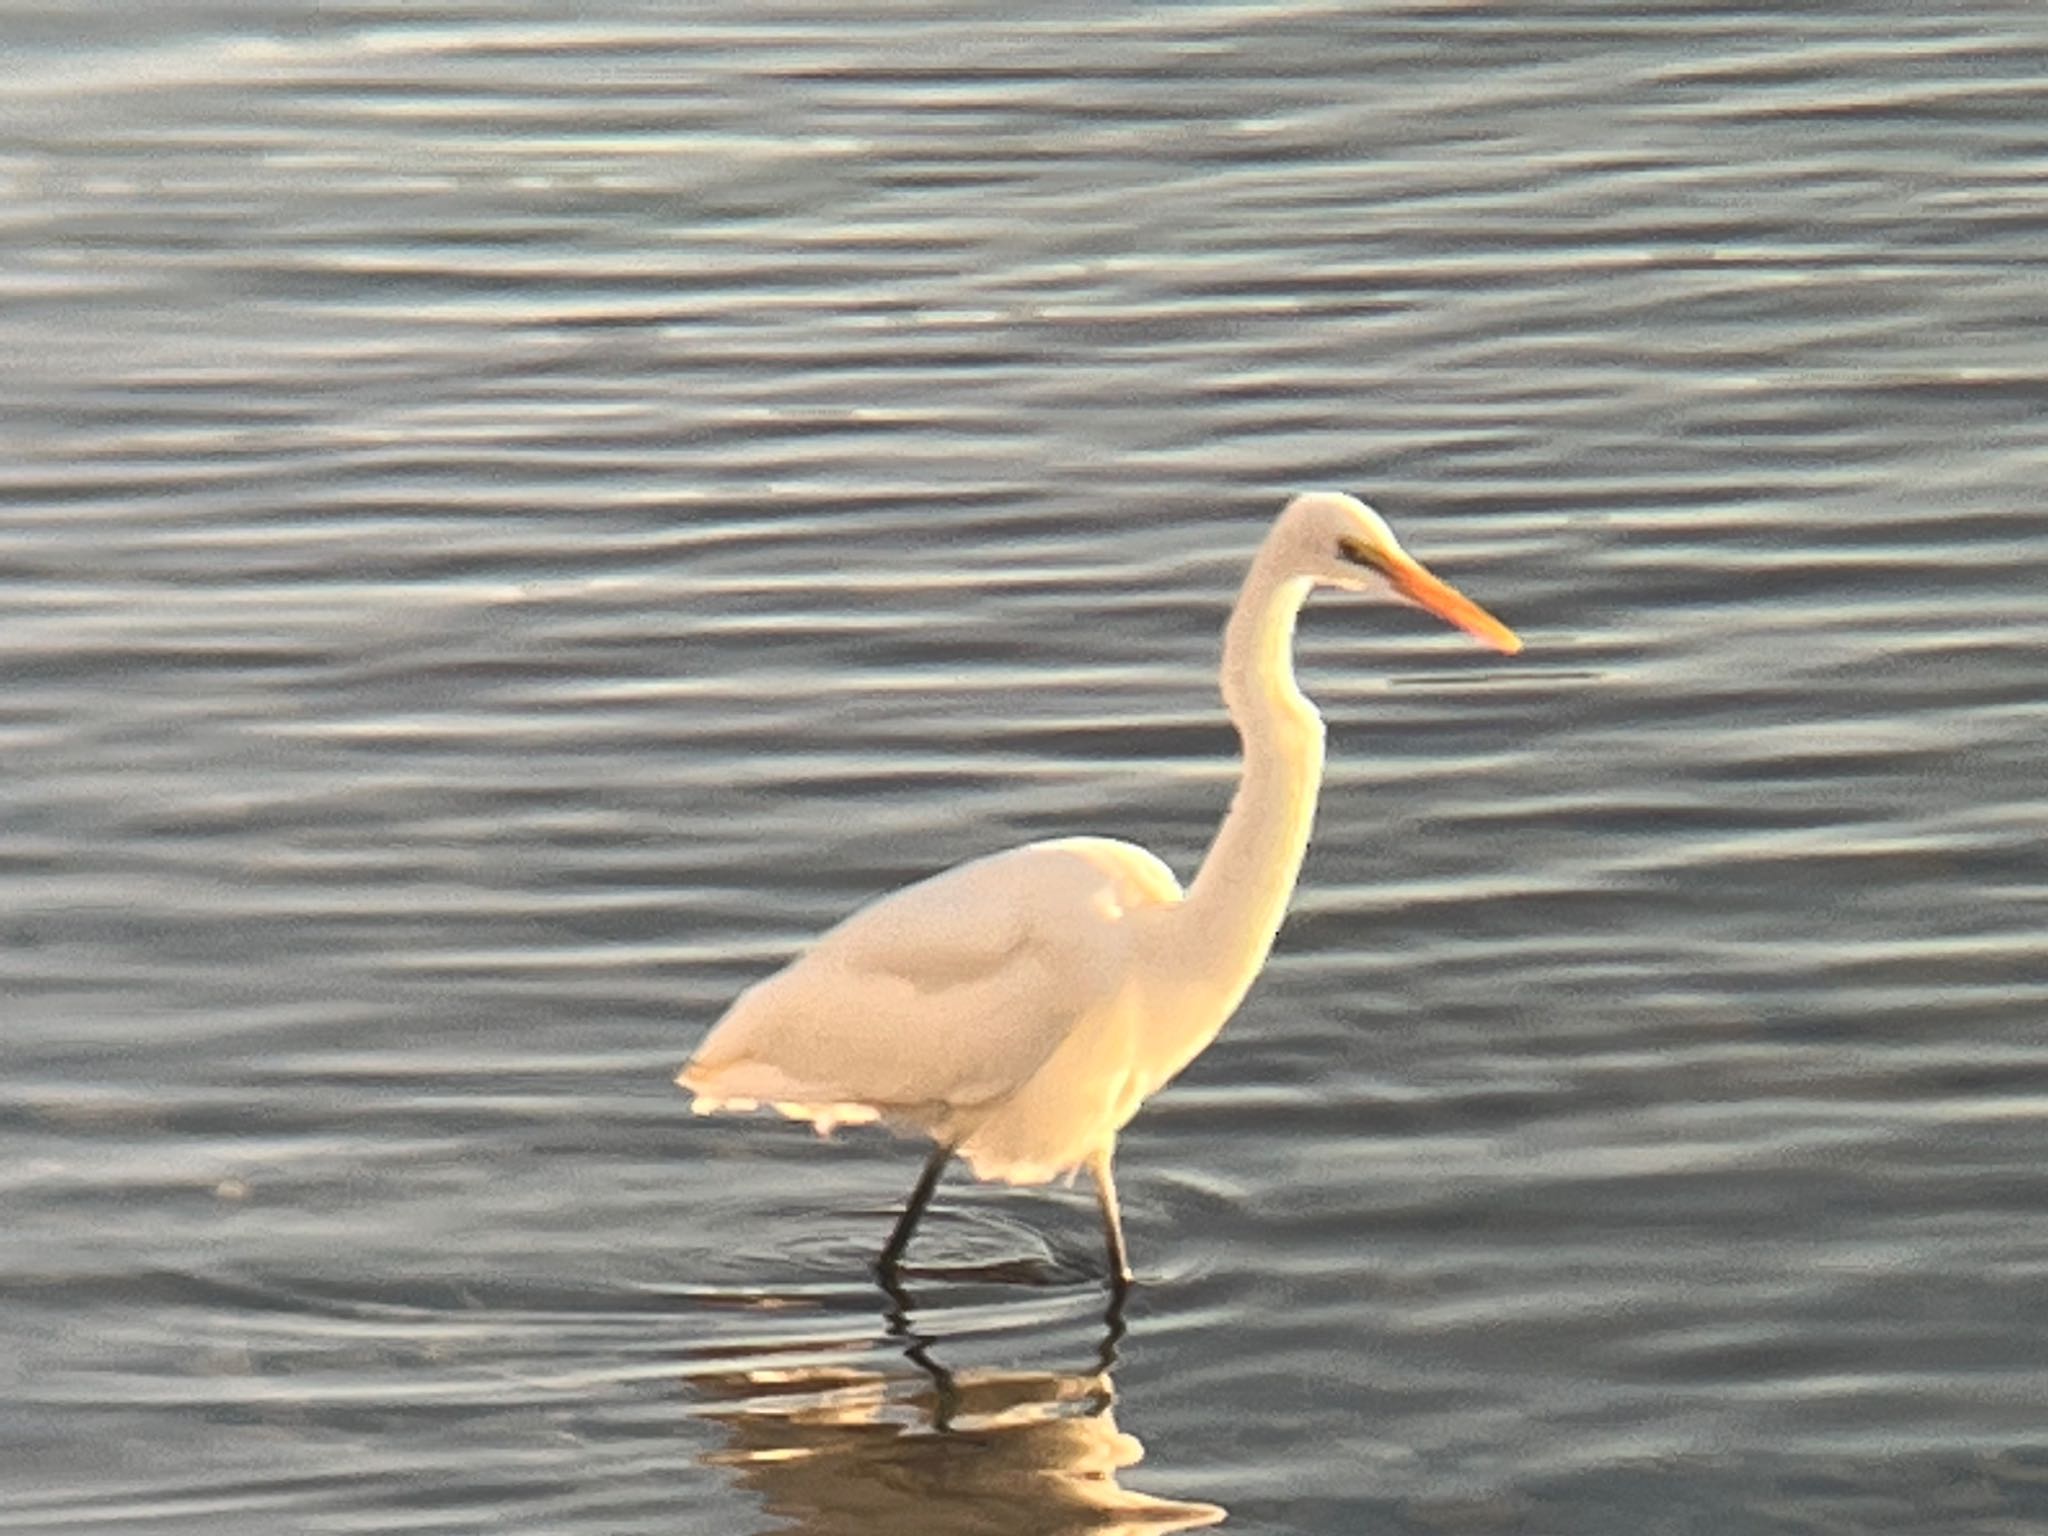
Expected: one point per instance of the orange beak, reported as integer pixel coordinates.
(1408, 578)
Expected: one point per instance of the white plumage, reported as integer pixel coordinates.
(1019, 1009)
(873, 1021)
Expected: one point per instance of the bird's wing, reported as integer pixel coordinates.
(950, 992)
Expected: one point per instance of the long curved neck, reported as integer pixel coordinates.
(1232, 911)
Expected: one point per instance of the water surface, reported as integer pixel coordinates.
(516, 520)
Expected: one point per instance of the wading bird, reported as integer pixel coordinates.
(1019, 1008)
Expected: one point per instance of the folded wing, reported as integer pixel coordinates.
(945, 996)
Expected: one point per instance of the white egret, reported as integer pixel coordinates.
(1019, 1008)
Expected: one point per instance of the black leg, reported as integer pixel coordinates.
(1112, 1221)
(920, 1197)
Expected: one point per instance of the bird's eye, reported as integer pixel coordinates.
(1358, 552)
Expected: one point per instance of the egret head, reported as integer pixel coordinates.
(1338, 541)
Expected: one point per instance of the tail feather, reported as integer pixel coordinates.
(747, 1086)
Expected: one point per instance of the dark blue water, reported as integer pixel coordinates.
(512, 520)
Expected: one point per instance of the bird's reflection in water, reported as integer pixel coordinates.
(840, 1448)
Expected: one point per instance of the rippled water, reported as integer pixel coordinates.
(518, 515)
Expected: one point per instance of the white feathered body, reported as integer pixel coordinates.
(999, 1007)
(1020, 1008)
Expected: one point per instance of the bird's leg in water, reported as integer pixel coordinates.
(1112, 1220)
(920, 1197)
